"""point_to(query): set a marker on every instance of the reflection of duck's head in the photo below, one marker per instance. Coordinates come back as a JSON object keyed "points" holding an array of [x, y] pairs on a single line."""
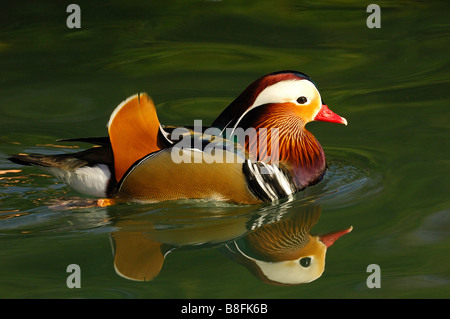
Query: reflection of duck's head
{"points": [[285, 252]]}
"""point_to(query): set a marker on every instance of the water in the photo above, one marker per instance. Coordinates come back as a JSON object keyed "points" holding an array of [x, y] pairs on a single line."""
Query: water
{"points": [[387, 172]]}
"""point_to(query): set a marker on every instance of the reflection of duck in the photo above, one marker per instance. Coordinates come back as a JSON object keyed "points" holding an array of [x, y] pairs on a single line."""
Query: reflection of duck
{"points": [[141, 245], [276, 247], [136, 162], [285, 252]]}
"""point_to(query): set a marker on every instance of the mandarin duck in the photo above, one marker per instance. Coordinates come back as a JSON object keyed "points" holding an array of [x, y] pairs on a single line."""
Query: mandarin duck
{"points": [[139, 160]]}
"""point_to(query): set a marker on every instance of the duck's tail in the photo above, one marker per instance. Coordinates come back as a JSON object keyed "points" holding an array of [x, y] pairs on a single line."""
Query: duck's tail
{"points": [[89, 172]]}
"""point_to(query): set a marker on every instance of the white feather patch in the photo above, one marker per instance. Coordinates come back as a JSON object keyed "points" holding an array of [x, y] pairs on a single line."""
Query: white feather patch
{"points": [[119, 107], [89, 180], [284, 91]]}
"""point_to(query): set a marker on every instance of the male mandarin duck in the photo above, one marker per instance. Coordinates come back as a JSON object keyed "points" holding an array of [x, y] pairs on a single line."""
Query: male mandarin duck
{"points": [[136, 161]]}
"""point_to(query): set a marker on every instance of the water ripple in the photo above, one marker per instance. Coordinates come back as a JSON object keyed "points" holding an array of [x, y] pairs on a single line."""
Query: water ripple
{"points": [[351, 177]]}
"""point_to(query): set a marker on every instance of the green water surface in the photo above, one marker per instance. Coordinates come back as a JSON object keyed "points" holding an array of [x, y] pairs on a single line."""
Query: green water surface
{"points": [[388, 171]]}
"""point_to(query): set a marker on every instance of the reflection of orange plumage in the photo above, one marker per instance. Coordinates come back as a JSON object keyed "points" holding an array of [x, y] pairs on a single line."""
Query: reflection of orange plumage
{"points": [[284, 239], [276, 246]]}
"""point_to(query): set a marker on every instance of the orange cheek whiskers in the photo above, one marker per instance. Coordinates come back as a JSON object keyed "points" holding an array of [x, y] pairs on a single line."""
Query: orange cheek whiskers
{"points": [[293, 142]]}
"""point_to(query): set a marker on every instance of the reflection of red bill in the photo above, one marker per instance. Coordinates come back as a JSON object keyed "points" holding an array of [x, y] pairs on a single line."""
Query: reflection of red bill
{"points": [[330, 238]]}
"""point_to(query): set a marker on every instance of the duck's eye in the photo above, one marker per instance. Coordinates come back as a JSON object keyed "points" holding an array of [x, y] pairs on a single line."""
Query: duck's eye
{"points": [[302, 100], [305, 262]]}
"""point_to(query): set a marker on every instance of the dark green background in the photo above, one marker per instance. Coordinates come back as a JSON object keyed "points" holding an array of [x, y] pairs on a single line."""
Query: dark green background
{"points": [[389, 167]]}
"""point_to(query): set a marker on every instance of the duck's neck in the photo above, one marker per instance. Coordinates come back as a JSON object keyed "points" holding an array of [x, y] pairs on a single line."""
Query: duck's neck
{"points": [[295, 148], [306, 159], [284, 239]]}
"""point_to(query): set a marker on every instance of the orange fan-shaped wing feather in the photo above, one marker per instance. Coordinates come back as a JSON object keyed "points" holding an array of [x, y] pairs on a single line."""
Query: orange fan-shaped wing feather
{"points": [[133, 131]]}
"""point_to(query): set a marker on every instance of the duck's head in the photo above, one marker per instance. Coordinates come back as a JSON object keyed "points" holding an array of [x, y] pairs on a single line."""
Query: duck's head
{"points": [[276, 98], [298, 266], [285, 101]]}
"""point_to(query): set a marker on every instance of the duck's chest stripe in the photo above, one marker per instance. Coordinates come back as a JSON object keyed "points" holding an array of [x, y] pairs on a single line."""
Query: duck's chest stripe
{"points": [[268, 182]]}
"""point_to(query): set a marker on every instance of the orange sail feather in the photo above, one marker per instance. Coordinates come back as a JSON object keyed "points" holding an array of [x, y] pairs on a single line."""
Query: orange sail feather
{"points": [[133, 130]]}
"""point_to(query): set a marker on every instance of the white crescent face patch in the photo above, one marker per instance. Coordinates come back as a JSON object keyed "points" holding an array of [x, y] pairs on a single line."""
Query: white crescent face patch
{"points": [[290, 271], [285, 91]]}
